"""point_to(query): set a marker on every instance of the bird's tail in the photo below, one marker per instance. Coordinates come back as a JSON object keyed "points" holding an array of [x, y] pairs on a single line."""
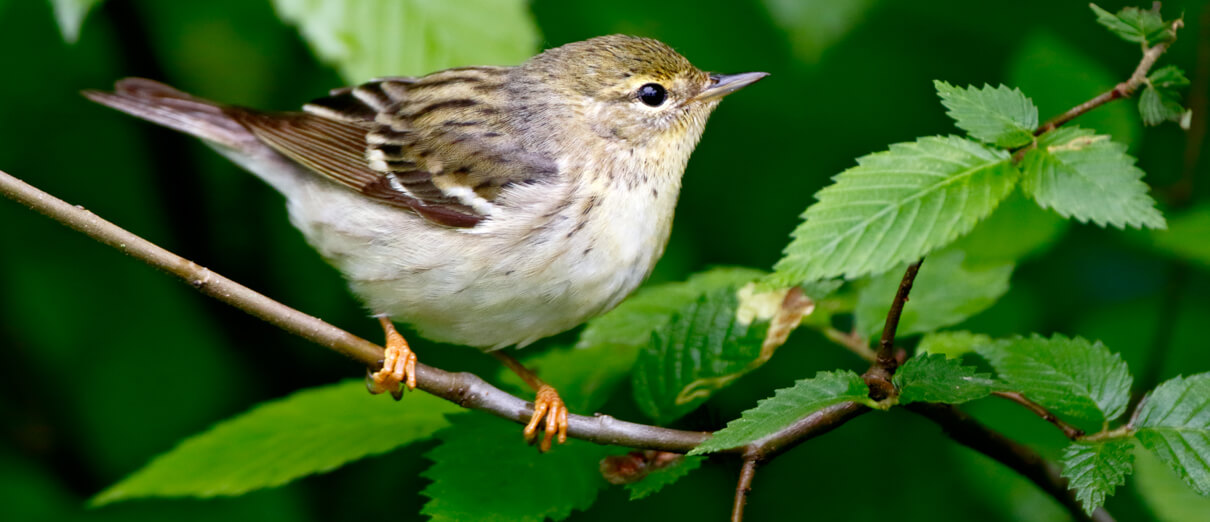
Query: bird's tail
{"points": [[159, 103]]}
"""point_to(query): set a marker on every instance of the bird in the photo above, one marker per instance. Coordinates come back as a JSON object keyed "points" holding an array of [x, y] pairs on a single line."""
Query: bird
{"points": [[488, 206]]}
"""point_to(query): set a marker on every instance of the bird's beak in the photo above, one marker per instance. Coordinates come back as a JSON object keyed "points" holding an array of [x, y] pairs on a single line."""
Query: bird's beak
{"points": [[724, 84]]}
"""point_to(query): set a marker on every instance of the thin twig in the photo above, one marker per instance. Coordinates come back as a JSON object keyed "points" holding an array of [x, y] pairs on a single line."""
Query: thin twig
{"points": [[817, 423], [886, 361], [1121, 90], [969, 432], [464, 389], [1069, 431], [746, 473], [886, 345]]}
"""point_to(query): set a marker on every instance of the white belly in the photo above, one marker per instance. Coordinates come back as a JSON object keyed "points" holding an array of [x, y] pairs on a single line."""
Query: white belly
{"points": [[506, 282]]}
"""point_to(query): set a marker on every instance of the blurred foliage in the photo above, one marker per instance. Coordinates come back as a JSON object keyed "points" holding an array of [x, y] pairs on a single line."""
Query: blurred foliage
{"points": [[106, 363]]}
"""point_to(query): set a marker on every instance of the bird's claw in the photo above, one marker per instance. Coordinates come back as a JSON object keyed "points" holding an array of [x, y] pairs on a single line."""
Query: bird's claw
{"points": [[547, 405], [398, 368]]}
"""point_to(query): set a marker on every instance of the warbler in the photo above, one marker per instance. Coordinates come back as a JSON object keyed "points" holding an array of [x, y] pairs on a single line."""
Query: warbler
{"points": [[485, 206]]}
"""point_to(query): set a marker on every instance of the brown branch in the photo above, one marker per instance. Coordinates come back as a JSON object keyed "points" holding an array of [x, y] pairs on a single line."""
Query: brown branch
{"points": [[746, 473], [886, 345], [1069, 431], [1122, 90], [886, 361], [465, 389], [967, 431]]}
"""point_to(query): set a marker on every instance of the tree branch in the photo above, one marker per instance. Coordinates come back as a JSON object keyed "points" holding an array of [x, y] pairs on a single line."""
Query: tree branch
{"points": [[465, 389], [746, 473], [1121, 90], [886, 361], [968, 432], [1069, 431]]}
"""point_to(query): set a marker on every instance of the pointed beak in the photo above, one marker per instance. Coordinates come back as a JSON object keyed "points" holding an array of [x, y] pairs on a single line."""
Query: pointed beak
{"points": [[724, 84]]}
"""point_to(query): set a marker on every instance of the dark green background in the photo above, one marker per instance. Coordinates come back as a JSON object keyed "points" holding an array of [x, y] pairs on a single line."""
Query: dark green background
{"points": [[105, 363]]}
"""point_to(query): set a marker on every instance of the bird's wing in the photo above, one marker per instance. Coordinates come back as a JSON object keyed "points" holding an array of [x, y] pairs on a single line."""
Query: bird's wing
{"points": [[442, 153]]}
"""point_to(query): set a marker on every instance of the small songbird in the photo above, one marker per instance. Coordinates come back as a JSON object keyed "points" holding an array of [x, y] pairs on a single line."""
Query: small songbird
{"points": [[486, 206]]}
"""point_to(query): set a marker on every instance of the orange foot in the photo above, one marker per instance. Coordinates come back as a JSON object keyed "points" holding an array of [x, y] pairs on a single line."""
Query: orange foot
{"points": [[398, 367], [550, 406]]}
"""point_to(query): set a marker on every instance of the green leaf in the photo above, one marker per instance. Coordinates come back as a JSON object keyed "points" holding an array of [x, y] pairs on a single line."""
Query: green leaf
{"points": [[633, 321], [312, 431], [1070, 377], [1095, 470], [1090, 178], [934, 378], [70, 15], [370, 38], [658, 479], [1186, 236], [483, 470], [1000, 116], [710, 343], [786, 406], [1135, 25], [1174, 423], [951, 344], [1059, 76], [946, 292], [1157, 106], [1162, 491], [895, 207], [1168, 77]]}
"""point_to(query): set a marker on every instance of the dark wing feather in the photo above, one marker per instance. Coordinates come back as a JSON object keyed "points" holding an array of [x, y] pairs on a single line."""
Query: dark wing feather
{"points": [[336, 150], [441, 152]]}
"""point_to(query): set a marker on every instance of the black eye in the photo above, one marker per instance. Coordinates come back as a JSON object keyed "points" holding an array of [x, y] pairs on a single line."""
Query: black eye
{"points": [[652, 94]]}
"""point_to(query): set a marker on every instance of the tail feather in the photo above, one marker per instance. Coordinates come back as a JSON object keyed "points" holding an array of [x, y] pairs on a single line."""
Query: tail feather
{"points": [[159, 103]]}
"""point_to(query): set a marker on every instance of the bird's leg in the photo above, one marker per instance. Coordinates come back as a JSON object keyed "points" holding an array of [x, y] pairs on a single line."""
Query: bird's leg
{"points": [[547, 405], [398, 365]]}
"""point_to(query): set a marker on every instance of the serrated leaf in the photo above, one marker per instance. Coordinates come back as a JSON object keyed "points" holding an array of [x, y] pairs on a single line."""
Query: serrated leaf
{"points": [[1000, 116], [1163, 492], [895, 207], [665, 476], [710, 343], [70, 15], [1070, 377], [1133, 24], [934, 378], [1088, 177], [1168, 76], [370, 38], [1095, 470], [945, 293], [1058, 76], [312, 431], [1174, 423], [633, 321], [786, 406], [1157, 106], [951, 344], [482, 470]]}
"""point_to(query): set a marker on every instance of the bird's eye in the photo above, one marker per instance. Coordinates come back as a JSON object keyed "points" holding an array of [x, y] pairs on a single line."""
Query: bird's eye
{"points": [[653, 94]]}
